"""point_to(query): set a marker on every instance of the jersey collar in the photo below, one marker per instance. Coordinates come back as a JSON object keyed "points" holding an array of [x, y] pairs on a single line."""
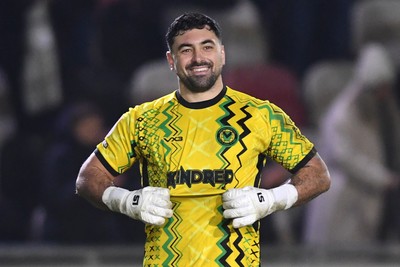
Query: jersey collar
{"points": [[201, 104]]}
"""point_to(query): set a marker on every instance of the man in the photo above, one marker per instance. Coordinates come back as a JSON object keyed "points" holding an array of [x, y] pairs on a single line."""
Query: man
{"points": [[201, 150]]}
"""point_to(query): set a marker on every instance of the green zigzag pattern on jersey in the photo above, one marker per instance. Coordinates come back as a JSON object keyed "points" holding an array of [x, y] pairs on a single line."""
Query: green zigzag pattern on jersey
{"points": [[122, 169], [277, 115], [222, 243], [169, 118], [167, 125], [223, 121], [174, 255], [129, 155]]}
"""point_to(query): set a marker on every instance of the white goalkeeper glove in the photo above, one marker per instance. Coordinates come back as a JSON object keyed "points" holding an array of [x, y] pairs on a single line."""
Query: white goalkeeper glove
{"points": [[151, 205], [249, 204]]}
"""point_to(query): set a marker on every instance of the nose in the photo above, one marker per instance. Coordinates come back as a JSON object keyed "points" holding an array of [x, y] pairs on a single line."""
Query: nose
{"points": [[197, 55]]}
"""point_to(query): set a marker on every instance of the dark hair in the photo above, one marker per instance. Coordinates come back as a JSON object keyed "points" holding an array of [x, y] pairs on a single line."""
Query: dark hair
{"points": [[189, 21]]}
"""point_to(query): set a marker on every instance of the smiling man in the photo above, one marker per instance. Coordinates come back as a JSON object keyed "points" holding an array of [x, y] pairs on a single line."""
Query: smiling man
{"points": [[198, 57], [202, 149]]}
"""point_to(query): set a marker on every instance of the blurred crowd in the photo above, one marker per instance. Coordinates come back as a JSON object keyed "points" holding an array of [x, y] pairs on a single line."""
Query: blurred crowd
{"points": [[70, 68]]}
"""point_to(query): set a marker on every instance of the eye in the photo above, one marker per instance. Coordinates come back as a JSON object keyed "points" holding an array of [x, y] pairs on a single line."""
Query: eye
{"points": [[186, 50]]}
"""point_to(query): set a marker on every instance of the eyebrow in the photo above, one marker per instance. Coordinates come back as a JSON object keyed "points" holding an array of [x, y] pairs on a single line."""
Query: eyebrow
{"points": [[203, 43]]}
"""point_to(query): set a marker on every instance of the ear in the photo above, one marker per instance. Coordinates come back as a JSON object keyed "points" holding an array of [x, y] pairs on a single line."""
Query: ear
{"points": [[170, 60]]}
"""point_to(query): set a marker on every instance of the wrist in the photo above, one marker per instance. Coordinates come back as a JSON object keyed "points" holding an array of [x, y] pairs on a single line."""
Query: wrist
{"points": [[285, 196], [114, 198]]}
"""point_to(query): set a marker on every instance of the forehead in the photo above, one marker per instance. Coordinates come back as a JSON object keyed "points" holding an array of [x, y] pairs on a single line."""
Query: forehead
{"points": [[195, 36]]}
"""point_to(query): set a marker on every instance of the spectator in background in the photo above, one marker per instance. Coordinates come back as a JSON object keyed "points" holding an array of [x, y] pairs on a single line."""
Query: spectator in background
{"points": [[68, 218], [360, 140], [22, 143]]}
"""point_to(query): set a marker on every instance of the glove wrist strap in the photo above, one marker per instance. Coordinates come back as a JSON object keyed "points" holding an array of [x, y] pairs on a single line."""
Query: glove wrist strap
{"points": [[285, 196], [114, 198]]}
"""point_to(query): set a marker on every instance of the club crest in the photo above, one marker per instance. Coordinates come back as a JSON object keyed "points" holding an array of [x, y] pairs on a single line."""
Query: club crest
{"points": [[227, 136]]}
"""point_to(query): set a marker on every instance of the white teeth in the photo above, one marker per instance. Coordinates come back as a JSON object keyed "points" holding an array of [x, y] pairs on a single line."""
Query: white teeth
{"points": [[200, 69]]}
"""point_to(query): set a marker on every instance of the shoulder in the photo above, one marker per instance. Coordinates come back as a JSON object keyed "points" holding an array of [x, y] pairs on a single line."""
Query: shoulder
{"points": [[154, 105], [263, 106]]}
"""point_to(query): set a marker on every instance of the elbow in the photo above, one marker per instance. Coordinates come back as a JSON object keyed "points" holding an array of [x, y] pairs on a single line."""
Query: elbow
{"points": [[83, 181], [325, 182], [80, 186]]}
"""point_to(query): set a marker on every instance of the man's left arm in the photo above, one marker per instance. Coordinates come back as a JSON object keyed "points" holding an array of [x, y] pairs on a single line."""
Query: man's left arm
{"points": [[311, 180], [249, 204]]}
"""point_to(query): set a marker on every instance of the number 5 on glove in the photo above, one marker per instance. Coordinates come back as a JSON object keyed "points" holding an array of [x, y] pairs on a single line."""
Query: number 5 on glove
{"points": [[151, 205], [249, 204]]}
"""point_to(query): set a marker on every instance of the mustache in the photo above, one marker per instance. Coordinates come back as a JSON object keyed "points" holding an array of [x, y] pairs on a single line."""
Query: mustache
{"points": [[198, 64]]}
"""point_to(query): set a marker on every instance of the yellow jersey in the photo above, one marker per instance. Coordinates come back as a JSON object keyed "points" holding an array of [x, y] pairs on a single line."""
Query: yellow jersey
{"points": [[198, 151]]}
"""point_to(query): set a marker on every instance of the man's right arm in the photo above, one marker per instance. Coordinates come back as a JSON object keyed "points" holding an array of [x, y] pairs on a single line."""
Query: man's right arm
{"points": [[93, 179], [151, 205]]}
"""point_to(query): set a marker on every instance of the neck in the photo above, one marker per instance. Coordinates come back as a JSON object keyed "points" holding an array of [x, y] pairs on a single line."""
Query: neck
{"points": [[193, 97]]}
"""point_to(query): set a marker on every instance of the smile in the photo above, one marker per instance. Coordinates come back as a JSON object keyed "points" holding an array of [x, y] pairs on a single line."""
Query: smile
{"points": [[200, 70]]}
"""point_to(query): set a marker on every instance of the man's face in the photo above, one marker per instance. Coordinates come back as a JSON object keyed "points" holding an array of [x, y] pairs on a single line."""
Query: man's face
{"points": [[197, 56]]}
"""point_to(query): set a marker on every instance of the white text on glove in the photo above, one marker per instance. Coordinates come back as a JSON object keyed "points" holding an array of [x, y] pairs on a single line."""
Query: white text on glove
{"points": [[249, 204], [151, 205]]}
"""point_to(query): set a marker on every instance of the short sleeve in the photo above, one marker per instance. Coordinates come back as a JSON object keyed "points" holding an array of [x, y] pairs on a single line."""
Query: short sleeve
{"points": [[117, 151], [288, 146]]}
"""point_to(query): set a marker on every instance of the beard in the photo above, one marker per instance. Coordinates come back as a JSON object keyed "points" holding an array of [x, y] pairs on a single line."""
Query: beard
{"points": [[199, 84]]}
